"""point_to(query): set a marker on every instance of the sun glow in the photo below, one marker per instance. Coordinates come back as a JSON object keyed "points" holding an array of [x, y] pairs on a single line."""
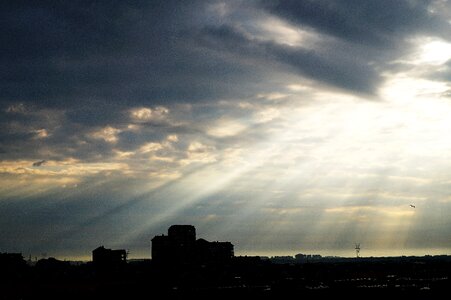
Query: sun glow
{"points": [[435, 52]]}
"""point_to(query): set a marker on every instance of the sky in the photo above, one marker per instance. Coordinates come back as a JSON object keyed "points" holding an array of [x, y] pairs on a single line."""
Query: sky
{"points": [[283, 127]]}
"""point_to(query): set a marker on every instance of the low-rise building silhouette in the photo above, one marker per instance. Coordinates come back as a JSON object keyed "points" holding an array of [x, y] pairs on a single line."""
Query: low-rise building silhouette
{"points": [[181, 246], [108, 257], [11, 264], [11, 259]]}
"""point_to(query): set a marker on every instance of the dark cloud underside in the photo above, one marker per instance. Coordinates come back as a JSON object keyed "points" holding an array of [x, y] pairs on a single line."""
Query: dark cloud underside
{"points": [[63, 54], [372, 23]]}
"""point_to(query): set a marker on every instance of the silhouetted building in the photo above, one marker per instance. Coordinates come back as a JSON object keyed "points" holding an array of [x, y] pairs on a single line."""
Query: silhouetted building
{"points": [[12, 267], [108, 257], [11, 259], [11, 262], [178, 246], [182, 233], [52, 267], [213, 251], [161, 248], [181, 246]]}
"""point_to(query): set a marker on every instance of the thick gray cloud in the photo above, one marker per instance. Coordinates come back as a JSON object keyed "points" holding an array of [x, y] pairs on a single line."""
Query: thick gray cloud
{"points": [[99, 53], [372, 23], [106, 54], [327, 66], [96, 56]]}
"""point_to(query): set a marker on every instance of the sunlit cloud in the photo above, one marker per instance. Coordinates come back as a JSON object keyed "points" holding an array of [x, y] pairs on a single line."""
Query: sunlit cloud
{"points": [[172, 138], [16, 108], [297, 87], [435, 52], [27, 179], [108, 134], [146, 114], [226, 128], [275, 96], [426, 52], [266, 115], [56, 168], [151, 147], [274, 29], [391, 212], [199, 152], [41, 133]]}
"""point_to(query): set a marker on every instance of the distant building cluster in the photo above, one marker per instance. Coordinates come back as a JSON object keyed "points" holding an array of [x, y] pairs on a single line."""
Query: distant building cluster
{"points": [[307, 257], [297, 259], [181, 246]]}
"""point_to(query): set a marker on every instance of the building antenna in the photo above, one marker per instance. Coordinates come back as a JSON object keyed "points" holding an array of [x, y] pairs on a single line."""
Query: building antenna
{"points": [[357, 250]]}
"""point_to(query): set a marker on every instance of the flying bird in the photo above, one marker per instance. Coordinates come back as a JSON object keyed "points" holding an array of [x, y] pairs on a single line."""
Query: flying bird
{"points": [[411, 205], [39, 163]]}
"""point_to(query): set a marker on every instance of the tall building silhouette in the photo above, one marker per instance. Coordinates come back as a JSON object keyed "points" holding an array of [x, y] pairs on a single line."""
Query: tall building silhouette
{"points": [[181, 246], [178, 246]]}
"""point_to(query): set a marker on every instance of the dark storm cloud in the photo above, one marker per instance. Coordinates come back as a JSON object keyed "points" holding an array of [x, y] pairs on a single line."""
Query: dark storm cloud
{"points": [[73, 68], [102, 55], [374, 23], [83, 52]]}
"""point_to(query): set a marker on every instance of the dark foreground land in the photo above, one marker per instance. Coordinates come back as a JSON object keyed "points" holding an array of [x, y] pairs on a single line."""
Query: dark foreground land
{"points": [[242, 276]]}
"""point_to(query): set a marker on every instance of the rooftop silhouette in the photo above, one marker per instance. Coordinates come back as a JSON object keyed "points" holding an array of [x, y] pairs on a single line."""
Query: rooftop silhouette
{"points": [[181, 246], [108, 257]]}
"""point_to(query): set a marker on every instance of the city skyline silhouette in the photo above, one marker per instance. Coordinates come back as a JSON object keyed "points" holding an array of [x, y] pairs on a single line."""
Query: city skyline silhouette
{"points": [[183, 264]]}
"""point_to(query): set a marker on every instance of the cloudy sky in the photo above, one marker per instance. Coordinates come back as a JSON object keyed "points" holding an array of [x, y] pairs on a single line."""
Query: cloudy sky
{"points": [[281, 126]]}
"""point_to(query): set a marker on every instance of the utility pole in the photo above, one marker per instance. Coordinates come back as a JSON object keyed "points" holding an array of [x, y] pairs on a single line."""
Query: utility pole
{"points": [[357, 250]]}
